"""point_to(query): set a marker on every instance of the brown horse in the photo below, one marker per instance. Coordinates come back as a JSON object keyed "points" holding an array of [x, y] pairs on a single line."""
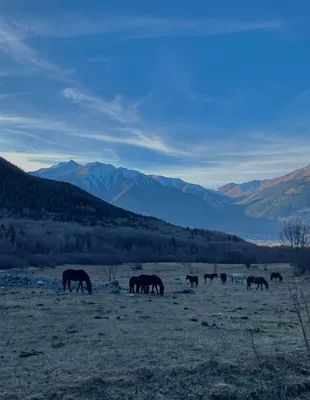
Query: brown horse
{"points": [[76, 275], [210, 276], [133, 281], [257, 280], [145, 281], [276, 275], [223, 277], [192, 279]]}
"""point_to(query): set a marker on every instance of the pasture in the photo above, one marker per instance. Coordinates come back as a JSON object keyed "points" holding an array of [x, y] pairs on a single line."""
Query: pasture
{"points": [[65, 346]]}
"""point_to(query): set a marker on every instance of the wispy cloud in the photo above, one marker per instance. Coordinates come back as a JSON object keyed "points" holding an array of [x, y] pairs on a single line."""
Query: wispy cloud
{"points": [[13, 43], [139, 26], [114, 109], [119, 136]]}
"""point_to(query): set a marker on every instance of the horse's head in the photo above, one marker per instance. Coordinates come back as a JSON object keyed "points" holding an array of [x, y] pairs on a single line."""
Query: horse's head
{"points": [[89, 287], [266, 285], [161, 289], [187, 277]]}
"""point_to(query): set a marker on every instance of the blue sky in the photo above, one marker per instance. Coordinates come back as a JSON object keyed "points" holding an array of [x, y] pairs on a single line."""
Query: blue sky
{"points": [[208, 91]]}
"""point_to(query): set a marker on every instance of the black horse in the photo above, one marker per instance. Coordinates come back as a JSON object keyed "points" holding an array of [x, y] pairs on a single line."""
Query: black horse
{"points": [[276, 275], [210, 276], [145, 281], [133, 281], [223, 277], [192, 279], [76, 275], [257, 280]]}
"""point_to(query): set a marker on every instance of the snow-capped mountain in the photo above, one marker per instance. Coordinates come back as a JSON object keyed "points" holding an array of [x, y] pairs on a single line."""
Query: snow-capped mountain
{"points": [[171, 199], [107, 182]]}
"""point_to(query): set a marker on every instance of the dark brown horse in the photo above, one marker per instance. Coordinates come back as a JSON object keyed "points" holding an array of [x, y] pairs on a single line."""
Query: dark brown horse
{"points": [[276, 275], [223, 277], [133, 281], [192, 279], [210, 276], [257, 280], [76, 275], [145, 281]]}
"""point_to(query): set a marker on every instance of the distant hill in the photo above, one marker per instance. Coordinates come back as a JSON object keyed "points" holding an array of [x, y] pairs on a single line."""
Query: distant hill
{"points": [[279, 198], [171, 199], [56, 222]]}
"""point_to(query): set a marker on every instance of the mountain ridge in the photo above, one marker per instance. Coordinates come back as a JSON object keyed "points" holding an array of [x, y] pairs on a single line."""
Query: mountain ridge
{"points": [[45, 222], [171, 199]]}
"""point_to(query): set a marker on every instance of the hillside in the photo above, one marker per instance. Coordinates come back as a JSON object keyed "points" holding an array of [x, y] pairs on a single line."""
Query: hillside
{"points": [[171, 199], [48, 222], [279, 198]]}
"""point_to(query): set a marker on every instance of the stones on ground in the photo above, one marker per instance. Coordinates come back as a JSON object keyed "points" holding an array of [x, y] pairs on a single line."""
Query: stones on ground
{"points": [[193, 319], [10, 279], [71, 329], [57, 345], [31, 353], [204, 323]]}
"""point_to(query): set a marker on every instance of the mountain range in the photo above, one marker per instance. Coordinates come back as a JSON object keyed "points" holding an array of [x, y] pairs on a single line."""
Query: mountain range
{"points": [[171, 199], [45, 222], [280, 198]]}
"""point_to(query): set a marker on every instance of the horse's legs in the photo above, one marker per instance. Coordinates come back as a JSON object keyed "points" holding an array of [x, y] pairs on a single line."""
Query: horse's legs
{"points": [[77, 289], [69, 286], [82, 286], [64, 283], [156, 289]]}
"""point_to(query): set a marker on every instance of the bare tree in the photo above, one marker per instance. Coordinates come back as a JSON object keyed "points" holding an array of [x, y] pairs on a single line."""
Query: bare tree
{"points": [[296, 235], [110, 271]]}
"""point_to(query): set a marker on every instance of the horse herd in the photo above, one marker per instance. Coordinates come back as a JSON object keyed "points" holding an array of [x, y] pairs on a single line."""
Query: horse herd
{"points": [[256, 280], [142, 283]]}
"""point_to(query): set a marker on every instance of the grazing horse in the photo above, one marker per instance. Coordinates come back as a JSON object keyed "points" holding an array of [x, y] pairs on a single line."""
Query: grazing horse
{"points": [[145, 281], [257, 280], [76, 275], [133, 281], [223, 277], [210, 276], [238, 277], [276, 275], [192, 279]]}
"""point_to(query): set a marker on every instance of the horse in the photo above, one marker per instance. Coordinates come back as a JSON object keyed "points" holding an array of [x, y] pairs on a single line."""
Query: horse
{"points": [[192, 279], [276, 275], [133, 281], [76, 275], [223, 277], [238, 277], [257, 280], [145, 281], [210, 276]]}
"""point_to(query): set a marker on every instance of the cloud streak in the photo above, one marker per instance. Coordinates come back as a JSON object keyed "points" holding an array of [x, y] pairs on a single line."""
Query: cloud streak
{"points": [[13, 43], [71, 25], [114, 109]]}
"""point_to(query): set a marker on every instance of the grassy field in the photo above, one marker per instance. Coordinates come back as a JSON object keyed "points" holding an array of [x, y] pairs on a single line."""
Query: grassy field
{"points": [[177, 346]]}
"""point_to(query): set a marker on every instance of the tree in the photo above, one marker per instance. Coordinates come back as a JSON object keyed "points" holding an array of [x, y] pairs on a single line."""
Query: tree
{"points": [[296, 235], [110, 271]]}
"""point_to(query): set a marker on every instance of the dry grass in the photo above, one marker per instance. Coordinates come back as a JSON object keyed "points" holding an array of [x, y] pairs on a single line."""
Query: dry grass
{"points": [[179, 346]]}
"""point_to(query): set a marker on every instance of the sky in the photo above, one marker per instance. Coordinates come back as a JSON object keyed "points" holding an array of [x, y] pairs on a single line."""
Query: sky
{"points": [[208, 91]]}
